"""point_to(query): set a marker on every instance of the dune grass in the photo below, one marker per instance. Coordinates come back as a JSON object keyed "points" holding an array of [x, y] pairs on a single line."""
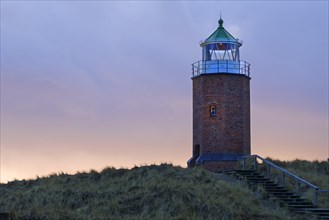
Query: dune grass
{"points": [[148, 192]]}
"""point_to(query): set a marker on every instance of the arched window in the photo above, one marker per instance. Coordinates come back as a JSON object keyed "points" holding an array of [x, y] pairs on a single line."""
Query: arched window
{"points": [[213, 110]]}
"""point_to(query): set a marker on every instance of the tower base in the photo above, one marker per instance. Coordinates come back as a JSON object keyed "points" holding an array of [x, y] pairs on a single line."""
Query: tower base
{"points": [[220, 166], [216, 162]]}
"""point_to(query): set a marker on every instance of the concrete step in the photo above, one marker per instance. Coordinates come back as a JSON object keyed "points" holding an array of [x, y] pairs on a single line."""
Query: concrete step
{"points": [[300, 203], [283, 194], [277, 190], [272, 184], [287, 200], [274, 187], [231, 172], [318, 210], [301, 207], [257, 179], [254, 175], [322, 213], [263, 183], [248, 173]]}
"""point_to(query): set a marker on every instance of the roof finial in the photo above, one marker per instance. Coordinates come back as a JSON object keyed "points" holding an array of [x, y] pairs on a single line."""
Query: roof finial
{"points": [[220, 21]]}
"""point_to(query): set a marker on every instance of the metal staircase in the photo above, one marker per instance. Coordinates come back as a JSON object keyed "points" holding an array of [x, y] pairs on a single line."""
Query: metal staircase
{"points": [[272, 178]]}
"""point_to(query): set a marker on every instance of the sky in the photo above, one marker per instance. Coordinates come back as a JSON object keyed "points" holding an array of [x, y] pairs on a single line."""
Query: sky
{"points": [[91, 84]]}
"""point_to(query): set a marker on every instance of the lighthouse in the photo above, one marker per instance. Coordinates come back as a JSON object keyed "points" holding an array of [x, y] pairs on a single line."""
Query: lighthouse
{"points": [[221, 103]]}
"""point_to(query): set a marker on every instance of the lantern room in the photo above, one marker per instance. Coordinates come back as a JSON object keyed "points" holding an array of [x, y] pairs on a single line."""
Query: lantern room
{"points": [[220, 54]]}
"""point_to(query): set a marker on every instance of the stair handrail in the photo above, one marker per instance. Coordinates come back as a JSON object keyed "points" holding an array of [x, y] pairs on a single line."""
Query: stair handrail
{"points": [[299, 179], [283, 170]]}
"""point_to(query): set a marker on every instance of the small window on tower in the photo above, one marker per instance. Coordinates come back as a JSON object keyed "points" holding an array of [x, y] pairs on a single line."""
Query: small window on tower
{"points": [[213, 110]]}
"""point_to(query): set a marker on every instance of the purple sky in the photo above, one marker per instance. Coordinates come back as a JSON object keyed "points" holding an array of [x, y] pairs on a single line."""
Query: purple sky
{"points": [[89, 84]]}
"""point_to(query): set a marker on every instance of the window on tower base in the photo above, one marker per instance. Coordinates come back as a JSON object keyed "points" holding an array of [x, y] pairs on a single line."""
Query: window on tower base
{"points": [[213, 110]]}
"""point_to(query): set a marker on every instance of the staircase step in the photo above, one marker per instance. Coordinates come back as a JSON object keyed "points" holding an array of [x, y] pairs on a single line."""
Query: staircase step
{"points": [[301, 207], [257, 179], [287, 200], [231, 172], [277, 190], [258, 182], [246, 171], [300, 203], [274, 187], [272, 184], [321, 213], [254, 176], [289, 197], [285, 194], [318, 210]]}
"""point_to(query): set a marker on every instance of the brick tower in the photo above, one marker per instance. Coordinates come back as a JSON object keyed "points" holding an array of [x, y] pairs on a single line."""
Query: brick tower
{"points": [[221, 103]]}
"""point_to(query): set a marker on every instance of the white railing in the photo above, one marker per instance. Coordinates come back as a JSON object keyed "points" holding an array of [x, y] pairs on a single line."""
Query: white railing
{"points": [[220, 66]]}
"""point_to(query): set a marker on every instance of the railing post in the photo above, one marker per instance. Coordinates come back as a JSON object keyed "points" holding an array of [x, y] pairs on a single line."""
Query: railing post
{"points": [[315, 197], [239, 66], [298, 187], [269, 171], [217, 66], [283, 179], [199, 70], [244, 163], [245, 68]]}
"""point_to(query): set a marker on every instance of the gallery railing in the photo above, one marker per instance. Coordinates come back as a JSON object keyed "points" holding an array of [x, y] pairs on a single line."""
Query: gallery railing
{"points": [[220, 66]]}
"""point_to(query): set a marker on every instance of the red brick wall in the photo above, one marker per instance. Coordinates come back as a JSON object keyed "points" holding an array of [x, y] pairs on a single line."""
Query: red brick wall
{"points": [[229, 130]]}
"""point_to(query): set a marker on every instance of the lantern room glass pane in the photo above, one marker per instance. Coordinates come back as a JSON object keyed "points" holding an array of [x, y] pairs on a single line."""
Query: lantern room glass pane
{"points": [[220, 51]]}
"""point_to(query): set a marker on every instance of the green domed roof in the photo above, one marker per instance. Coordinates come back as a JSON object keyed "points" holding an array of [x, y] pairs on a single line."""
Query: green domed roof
{"points": [[220, 36]]}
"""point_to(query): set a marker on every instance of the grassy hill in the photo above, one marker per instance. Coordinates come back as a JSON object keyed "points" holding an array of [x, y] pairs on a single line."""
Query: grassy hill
{"points": [[148, 192]]}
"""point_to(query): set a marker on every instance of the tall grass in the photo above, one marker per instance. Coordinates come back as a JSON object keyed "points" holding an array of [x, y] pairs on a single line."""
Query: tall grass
{"points": [[148, 192]]}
